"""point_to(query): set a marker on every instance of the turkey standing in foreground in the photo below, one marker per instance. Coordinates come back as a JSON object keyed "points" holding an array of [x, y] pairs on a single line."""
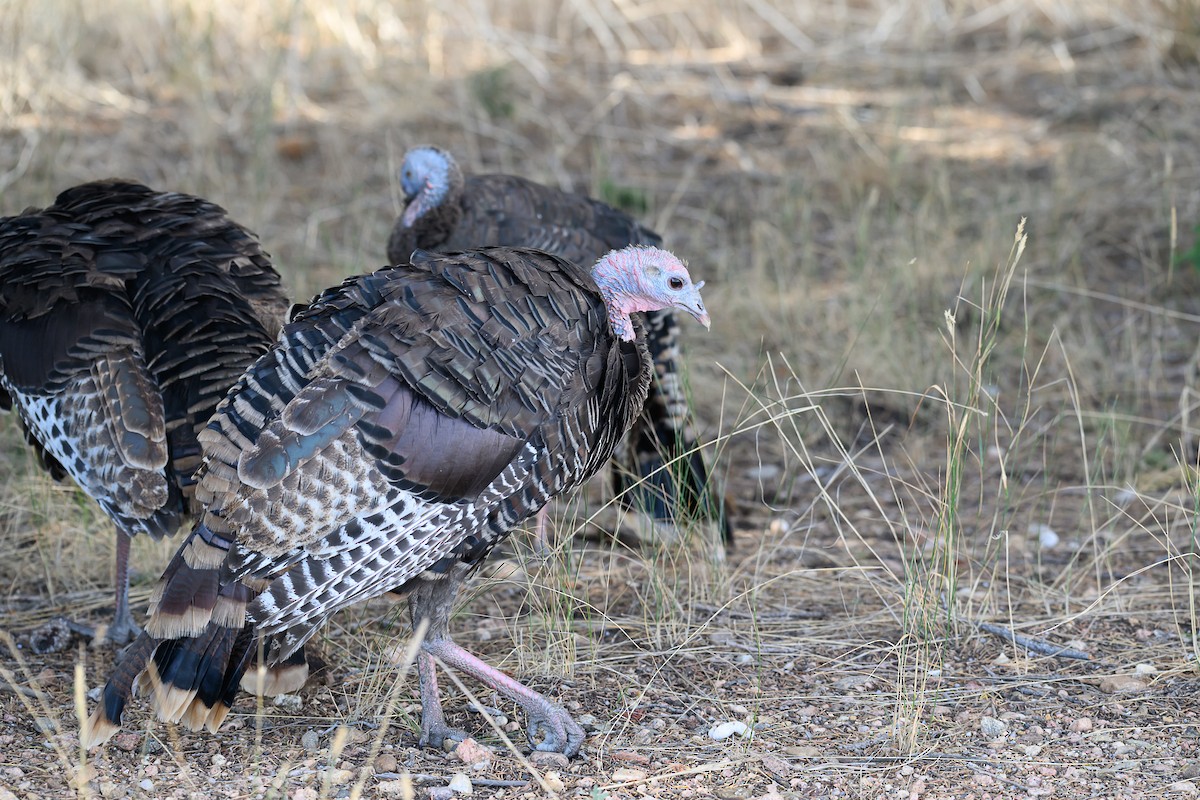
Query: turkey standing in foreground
{"points": [[659, 469], [399, 428], [125, 315]]}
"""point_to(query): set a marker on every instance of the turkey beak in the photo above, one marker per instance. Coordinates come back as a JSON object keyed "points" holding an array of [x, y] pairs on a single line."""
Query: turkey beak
{"points": [[694, 305]]}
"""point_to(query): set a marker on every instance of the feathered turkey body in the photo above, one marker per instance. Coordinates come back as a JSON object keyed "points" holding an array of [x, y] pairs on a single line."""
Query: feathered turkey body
{"points": [[125, 315], [400, 427], [659, 469]]}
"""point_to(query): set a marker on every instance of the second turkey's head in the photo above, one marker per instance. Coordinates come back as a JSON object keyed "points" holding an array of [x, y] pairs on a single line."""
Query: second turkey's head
{"points": [[427, 177], [638, 278]]}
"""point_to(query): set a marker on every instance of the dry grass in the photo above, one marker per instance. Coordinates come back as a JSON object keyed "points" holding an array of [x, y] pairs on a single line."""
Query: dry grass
{"points": [[902, 409]]}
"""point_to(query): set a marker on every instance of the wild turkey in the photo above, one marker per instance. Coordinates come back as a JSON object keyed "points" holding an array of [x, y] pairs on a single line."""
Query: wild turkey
{"points": [[401, 425], [659, 470], [125, 315]]}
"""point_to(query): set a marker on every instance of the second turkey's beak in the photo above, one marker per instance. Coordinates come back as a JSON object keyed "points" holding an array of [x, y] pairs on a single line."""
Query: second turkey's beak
{"points": [[694, 305]]}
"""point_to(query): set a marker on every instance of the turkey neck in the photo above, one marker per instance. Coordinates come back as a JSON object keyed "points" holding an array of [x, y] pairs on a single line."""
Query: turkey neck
{"points": [[430, 230]]}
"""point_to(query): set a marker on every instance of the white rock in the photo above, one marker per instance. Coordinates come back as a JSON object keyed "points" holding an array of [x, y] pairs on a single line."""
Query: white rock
{"points": [[461, 784], [1046, 536], [727, 729], [764, 472]]}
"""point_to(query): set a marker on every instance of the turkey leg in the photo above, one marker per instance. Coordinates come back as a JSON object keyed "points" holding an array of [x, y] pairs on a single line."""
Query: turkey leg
{"points": [[549, 726]]}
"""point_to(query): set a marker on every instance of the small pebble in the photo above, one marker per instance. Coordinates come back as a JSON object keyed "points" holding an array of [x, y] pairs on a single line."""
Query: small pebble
{"points": [[643, 736], [549, 760], [803, 751], [767, 473], [1081, 725], [146, 785], [777, 766], [1183, 787], [45, 724], [588, 722], [1122, 684], [554, 782], [291, 703], [310, 741], [629, 757], [385, 762], [623, 774], [473, 754], [461, 784], [992, 727], [440, 793], [398, 788], [340, 777], [126, 741], [727, 729], [1046, 535]]}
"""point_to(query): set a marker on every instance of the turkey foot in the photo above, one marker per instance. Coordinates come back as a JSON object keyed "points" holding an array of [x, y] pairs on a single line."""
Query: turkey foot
{"points": [[550, 728], [123, 629]]}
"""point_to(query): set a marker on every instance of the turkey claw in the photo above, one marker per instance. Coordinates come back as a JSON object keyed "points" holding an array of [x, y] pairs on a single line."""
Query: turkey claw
{"points": [[435, 735], [557, 732]]}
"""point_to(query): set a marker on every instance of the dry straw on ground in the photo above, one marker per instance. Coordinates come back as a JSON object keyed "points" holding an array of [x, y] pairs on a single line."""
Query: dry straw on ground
{"points": [[927, 423]]}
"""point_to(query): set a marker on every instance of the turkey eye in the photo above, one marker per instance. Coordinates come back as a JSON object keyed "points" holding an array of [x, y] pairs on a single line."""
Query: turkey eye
{"points": [[675, 283]]}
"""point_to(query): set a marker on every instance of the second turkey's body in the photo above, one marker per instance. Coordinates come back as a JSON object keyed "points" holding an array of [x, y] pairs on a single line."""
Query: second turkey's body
{"points": [[125, 315], [515, 212]]}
